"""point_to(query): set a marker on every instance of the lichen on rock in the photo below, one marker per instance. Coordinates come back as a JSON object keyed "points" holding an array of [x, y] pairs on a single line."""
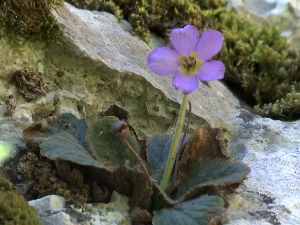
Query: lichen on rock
{"points": [[30, 84], [11, 104]]}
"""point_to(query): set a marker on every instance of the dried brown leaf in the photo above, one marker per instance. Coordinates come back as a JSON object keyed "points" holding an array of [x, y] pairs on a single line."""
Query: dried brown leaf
{"points": [[140, 215], [100, 194], [206, 145], [132, 182]]}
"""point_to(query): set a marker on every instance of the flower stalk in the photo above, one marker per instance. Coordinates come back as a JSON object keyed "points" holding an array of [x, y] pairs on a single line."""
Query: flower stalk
{"points": [[172, 156], [139, 160], [120, 131]]}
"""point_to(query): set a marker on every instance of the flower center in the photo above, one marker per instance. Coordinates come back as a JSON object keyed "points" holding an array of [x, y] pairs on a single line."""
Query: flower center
{"points": [[191, 64]]}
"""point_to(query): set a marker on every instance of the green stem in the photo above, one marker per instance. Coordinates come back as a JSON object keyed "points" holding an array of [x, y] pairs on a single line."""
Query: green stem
{"points": [[172, 157]]}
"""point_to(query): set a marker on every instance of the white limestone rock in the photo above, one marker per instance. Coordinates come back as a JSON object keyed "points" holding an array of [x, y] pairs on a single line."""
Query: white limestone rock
{"points": [[50, 203], [52, 210]]}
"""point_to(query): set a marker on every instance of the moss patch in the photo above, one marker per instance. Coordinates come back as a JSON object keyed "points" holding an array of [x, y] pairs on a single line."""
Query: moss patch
{"points": [[259, 64], [28, 20], [14, 208]]}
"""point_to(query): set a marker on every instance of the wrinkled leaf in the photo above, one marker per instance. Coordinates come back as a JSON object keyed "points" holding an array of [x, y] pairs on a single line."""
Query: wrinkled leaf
{"points": [[64, 146], [218, 173], [38, 133], [201, 211], [160, 199], [106, 149], [159, 150], [206, 145]]}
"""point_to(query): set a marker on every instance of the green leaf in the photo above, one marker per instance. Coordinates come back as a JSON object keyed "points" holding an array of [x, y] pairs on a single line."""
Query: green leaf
{"points": [[160, 199], [218, 173], [65, 122], [71, 124], [131, 182], [159, 150], [64, 146], [201, 211], [206, 145], [106, 149]]}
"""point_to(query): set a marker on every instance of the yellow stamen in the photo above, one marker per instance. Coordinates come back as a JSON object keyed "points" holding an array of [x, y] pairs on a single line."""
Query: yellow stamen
{"points": [[194, 55], [182, 58], [191, 64]]}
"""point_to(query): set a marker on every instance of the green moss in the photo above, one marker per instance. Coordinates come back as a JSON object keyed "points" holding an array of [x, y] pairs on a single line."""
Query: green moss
{"points": [[285, 108], [155, 15], [14, 208], [4, 184], [28, 20]]}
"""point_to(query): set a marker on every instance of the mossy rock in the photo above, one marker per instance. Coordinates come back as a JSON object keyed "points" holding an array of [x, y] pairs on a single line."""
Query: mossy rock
{"points": [[14, 208], [258, 63], [34, 21]]}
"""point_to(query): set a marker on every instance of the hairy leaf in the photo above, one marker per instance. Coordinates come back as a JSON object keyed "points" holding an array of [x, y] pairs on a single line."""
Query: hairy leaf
{"points": [[38, 133], [105, 148], [159, 150], [201, 211], [206, 145], [160, 199], [64, 146], [218, 173]]}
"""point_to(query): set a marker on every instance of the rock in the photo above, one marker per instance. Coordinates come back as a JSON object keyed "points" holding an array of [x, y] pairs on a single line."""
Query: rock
{"points": [[284, 14], [116, 212], [50, 203], [156, 41], [102, 65], [52, 210], [270, 195], [60, 218], [134, 86], [295, 5]]}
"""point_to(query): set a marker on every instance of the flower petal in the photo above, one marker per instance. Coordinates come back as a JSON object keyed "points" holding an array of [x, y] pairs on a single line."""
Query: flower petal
{"points": [[185, 39], [164, 61], [209, 45], [187, 83], [210, 71]]}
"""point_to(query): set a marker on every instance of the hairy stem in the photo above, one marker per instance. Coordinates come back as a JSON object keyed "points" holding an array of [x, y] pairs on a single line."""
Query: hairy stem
{"points": [[172, 156], [142, 164], [180, 151]]}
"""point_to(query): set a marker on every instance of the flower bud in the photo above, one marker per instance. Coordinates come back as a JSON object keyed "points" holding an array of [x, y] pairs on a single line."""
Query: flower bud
{"points": [[120, 130]]}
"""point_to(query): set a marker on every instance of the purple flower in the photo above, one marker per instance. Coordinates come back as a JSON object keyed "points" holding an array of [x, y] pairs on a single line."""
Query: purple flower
{"points": [[190, 59]]}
